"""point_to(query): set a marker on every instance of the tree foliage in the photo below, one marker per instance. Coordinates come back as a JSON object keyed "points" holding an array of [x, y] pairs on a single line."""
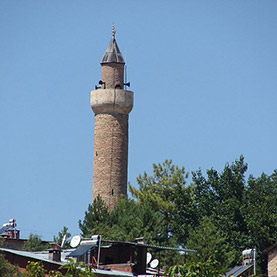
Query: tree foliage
{"points": [[54, 273], [74, 269], [96, 218], [61, 235], [34, 269], [7, 269], [196, 269], [34, 243], [127, 221], [169, 198], [210, 244], [219, 213]]}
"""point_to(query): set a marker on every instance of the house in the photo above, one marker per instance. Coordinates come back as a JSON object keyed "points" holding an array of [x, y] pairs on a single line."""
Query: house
{"points": [[20, 258], [112, 258], [122, 256], [47, 258]]}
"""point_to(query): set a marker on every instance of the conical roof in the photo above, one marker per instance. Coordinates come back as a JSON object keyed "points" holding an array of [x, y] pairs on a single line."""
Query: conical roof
{"points": [[113, 54]]}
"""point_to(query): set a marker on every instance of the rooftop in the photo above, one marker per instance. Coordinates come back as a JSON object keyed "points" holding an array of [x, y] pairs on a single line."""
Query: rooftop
{"points": [[113, 54]]}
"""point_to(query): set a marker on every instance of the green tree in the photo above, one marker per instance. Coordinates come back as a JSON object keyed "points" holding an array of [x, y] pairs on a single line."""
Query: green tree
{"points": [[7, 269], [244, 212], [260, 213], [34, 269], [60, 237], [97, 219], [232, 212], [210, 245], [54, 273], [171, 200], [220, 197], [89, 271], [34, 243], [196, 269], [162, 192], [129, 220], [74, 269], [176, 270]]}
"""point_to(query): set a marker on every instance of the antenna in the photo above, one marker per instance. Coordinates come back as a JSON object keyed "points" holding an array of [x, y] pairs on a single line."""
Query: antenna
{"points": [[125, 71], [75, 241]]}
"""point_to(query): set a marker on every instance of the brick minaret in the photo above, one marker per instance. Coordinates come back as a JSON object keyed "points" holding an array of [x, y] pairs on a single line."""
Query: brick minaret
{"points": [[111, 105]]}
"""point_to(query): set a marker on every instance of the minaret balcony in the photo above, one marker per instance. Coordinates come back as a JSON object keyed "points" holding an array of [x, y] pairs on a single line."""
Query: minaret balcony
{"points": [[112, 101]]}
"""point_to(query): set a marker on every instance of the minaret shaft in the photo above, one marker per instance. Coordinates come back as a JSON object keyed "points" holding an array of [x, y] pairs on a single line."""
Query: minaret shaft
{"points": [[110, 157]]}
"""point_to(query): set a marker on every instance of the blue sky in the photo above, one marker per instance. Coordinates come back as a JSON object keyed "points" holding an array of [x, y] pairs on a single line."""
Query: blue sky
{"points": [[204, 78]]}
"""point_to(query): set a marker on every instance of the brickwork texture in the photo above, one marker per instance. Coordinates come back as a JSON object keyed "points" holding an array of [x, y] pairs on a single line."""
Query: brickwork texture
{"points": [[110, 157], [272, 263], [112, 75]]}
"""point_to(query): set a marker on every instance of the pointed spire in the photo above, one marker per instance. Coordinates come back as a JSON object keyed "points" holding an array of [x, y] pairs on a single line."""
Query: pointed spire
{"points": [[113, 54]]}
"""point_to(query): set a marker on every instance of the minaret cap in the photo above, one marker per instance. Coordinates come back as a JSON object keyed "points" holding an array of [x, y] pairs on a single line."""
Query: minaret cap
{"points": [[113, 54]]}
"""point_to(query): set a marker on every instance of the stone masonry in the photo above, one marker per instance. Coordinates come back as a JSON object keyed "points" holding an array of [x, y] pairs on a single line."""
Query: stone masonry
{"points": [[111, 105], [110, 159], [272, 261], [113, 75]]}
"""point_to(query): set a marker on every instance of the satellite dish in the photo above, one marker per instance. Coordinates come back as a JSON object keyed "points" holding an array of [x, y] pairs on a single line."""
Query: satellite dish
{"points": [[148, 257], [154, 263], [75, 241]]}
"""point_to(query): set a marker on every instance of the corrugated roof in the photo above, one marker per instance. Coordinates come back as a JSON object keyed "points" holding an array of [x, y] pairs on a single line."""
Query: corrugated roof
{"points": [[42, 256], [151, 246]]}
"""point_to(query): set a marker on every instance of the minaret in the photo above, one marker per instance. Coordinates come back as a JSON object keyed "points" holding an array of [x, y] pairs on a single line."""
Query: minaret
{"points": [[111, 104]]}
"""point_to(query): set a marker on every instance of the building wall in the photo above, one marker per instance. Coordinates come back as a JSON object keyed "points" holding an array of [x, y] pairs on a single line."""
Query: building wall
{"points": [[272, 263], [16, 244], [22, 262], [116, 254], [121, 267]]}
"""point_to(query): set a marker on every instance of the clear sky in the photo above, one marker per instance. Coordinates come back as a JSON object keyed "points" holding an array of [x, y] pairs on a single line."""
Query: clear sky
{"points": [[204, 77]]}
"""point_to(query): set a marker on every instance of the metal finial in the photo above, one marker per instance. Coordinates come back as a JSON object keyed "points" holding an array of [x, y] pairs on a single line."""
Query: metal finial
{"points": [[113, 32]]}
